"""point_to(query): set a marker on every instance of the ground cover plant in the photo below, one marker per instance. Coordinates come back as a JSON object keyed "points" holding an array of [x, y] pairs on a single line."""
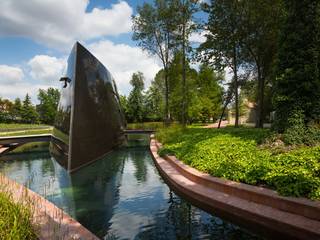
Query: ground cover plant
{"points": [[14, 220], [240, 154]]}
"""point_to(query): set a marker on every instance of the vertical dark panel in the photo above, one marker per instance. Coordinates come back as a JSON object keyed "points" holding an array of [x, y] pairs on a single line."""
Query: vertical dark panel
{"points": [[96, 121]]}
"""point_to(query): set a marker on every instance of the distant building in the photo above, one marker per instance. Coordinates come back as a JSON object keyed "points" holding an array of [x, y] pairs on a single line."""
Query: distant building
{"points": [[247, 113]]}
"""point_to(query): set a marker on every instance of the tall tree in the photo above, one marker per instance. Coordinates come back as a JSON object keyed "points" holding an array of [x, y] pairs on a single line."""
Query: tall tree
{"points": [[154, 98], [210, 92], [47, 107], [184, 22], [17, 110], [223, 45], [297, 87], [6, 107], [29, 113], [260, 29], [135, 99], [153, 30]]}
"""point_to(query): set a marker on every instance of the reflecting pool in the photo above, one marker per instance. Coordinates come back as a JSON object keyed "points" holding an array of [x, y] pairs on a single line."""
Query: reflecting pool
{"points": [[120, 196]]}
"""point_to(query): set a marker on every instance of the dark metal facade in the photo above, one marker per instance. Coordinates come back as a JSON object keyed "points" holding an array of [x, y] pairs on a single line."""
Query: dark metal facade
{"points": [[89, 122]]}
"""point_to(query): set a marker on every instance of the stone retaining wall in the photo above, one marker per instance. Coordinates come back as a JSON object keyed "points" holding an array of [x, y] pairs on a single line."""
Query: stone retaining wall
{"points": [[261, 210], [49, 221]]}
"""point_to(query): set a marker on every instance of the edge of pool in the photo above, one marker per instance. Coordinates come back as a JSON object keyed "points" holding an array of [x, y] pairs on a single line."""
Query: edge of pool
{"points": [[259, 209], [49, 221]]}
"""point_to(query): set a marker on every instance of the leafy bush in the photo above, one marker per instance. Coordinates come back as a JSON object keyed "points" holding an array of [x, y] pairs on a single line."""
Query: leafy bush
{"points": [[234, 154]]}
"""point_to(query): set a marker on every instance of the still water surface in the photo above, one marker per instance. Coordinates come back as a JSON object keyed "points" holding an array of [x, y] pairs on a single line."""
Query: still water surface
{"points": [[121, 196]]}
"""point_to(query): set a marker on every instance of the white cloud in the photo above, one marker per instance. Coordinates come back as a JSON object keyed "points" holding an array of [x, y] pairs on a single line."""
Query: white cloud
{"points": [[19, 90], [10, 75], [46, 68], [198, 37], [123, 60], [59, 23]]}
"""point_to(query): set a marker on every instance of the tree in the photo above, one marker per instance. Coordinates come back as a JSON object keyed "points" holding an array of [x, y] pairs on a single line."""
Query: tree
{"points": [[47, 107], [223, 45], [153, 30], [17, 110], [260, 29], [297, 86], [184, 21], [6, 107], [154, 99], [28, 112], [210, 92], [124, 105], [135, 99]]}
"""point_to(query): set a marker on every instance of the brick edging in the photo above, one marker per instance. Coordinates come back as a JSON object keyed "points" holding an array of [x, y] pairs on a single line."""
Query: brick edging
{"points": [[242, 204], [49, 221]]}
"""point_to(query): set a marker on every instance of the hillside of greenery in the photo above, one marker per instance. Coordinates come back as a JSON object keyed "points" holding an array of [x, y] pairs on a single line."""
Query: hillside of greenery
{"points": [[242, 155]]}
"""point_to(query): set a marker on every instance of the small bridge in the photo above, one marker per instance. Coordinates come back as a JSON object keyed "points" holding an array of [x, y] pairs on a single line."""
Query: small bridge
{"points": [[7, 144]]}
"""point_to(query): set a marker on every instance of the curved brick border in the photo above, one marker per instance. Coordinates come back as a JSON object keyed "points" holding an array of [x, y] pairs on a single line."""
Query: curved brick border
{"points": [[257, 208], [49, 221]]}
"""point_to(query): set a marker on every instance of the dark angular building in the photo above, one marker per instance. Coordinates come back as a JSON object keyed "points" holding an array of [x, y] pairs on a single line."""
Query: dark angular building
{"points": [[89, 122]]}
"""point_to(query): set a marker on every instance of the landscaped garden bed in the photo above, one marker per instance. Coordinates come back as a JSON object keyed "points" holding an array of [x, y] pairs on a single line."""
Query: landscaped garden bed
{"points": [[242, 155]]}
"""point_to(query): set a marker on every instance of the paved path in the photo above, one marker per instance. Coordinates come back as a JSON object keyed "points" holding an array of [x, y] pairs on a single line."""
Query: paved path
{"points": [[215, 125]]}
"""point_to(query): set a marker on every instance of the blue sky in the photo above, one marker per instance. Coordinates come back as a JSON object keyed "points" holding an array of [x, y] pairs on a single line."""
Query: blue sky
{"points": [[37, 36]]}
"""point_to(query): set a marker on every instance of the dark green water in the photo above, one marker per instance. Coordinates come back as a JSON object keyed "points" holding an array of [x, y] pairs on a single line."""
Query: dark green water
{"points": [[121, 196]]}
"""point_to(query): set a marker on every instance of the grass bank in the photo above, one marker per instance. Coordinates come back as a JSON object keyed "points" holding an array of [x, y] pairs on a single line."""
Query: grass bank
{"points": [[14, 220], [239, 155], [17, 129]]}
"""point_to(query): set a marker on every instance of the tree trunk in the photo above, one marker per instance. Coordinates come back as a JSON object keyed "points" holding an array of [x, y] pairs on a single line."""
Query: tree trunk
{"points": [[235, 75], [223, 110], [260, 98], [167, 114], [184, 92]]}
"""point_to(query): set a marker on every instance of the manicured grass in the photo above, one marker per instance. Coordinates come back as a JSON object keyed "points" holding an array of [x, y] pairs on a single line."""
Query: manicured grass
{"points": [[14, 220], [235, 154], [4, 127], [26, 132]]}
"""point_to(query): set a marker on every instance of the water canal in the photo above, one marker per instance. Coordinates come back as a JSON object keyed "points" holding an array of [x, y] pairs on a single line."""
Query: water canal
{"points": [[120, 196]]}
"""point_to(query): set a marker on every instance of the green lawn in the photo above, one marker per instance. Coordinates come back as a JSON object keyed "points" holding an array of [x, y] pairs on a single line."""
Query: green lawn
{"points": [[4, 127], [14, 220], [18, 129], [236, 154]]}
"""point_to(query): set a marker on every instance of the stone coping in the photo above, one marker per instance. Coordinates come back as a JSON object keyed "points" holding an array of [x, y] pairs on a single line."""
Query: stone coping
{"points": [[258, 208], [49, 221]]}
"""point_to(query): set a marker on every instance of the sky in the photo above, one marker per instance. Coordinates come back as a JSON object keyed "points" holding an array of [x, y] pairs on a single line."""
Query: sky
{"points": [[36, 37]]}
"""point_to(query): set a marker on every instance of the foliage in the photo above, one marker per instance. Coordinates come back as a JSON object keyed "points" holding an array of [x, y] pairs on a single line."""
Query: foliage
{"points": [[135, 106], [28, 111], [222, 47], [154, 99], [6, 108], [260, 26], [234, 154], [153, 29], [297, 87], [47, 107], [145, 125], [15, 220]]}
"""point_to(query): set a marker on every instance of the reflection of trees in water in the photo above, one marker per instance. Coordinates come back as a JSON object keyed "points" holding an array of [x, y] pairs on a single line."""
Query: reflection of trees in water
{"points": [[138, 158], [183, 221], [96, 192]]}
